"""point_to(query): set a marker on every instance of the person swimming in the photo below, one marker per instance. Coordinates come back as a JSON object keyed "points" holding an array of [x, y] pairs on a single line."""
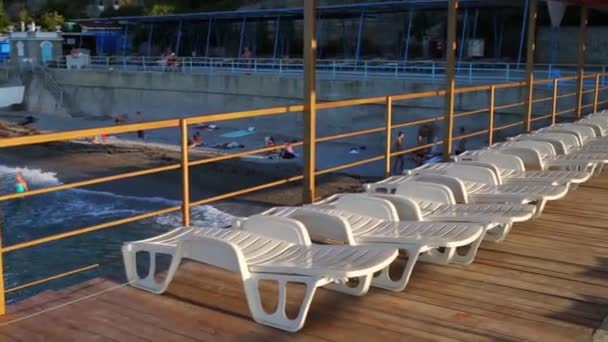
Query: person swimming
{"points": [[20, 184]]}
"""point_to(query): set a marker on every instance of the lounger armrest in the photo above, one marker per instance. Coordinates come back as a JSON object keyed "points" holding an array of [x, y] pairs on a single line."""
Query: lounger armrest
{"points": [[405, 207], [280, 228], [216, 252], [367, 206], [530, 157], [455, 185], [426, 191], [322, 226]]}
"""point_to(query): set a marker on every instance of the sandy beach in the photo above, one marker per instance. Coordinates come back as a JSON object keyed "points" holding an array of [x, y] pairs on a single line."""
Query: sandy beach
{"points": [[77, 161]]}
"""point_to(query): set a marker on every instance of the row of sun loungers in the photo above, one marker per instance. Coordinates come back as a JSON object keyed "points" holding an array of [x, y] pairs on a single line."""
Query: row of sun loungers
{"points": [[438, 213]]}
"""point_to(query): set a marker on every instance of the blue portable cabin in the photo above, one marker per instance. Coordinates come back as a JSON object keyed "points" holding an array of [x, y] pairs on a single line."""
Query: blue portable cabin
{"points": [[5, 48]]}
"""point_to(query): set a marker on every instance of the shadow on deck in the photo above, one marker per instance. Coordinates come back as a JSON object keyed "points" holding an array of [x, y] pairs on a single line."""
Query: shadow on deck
{"points": [[547, 282]]}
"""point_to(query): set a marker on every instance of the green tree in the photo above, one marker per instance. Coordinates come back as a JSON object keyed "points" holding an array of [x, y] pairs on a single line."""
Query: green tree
{"points": [[161, 9], [25, 16], [4, 19], [50, 20]]}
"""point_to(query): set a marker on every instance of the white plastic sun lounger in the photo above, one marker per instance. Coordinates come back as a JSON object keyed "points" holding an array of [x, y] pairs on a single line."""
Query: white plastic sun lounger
{"points": [[511, 169], [430, 202], [476, 184], [542, 153], [264, 248], [420, 240]]}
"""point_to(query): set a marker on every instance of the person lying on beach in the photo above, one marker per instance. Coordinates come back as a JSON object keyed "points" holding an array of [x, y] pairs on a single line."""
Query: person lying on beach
{"points": [[20, 184], [197, 140], [28, 121], [229, 146]]}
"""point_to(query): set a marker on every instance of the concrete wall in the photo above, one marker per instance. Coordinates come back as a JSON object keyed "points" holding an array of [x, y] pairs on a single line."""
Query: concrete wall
{"points": [[565, 50], [163, 95]]}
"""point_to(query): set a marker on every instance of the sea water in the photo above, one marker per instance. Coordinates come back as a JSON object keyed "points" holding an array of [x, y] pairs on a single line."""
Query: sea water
{"points": [[44, 215]]}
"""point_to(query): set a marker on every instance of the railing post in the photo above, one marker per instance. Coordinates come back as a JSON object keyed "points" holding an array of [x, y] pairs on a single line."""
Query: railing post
{"points": [[310, 101], [450, 78], [530, 104], [603, 76], [554, 109], [389, 129], [470, 71], [582, 48], [530, 48], [2, 293], [596, 94], [185, 173], [492, 112]]}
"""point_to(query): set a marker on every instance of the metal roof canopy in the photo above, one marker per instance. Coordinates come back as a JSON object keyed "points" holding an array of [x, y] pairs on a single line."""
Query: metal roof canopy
{"points": [[327, 12]]}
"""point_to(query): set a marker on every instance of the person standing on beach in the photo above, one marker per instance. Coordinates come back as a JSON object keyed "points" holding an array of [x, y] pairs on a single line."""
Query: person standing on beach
{"points": [[400, 159], [140, 119], [20, 184]]}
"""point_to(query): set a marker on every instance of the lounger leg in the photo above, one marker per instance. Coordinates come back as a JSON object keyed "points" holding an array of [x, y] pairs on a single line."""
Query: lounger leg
{"points": [[540, 206], [384, 280], [360, 289], [469, 256], [498, 233], [436, 256], [279, 319], [148, 283]]}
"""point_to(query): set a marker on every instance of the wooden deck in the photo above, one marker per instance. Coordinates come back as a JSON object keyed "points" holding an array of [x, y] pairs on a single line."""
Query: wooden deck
{"points": [[547, 282]]}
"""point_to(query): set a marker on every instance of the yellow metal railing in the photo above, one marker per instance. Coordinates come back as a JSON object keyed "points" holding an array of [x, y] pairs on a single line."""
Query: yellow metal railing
{"points": [[185, 164]]}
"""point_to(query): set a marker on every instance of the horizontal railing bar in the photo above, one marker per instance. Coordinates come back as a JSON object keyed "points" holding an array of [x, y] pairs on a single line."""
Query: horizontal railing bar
{"points": [[566, 95], [89, 229], [47, 279], [472, 89], [415, 149], [602, 102], [246, 191], [350, 102], [512, 105], [85, 133], [510, 85], [541, 117], [195, 120], [518, 123], [565, 111], [242, 154], [415, 96], [549, 98], [90, 182], [472, 112], [604, 89], [349, 165], [588, 91], [470, 135], [418, 122], [587, 106], [352, 134]]}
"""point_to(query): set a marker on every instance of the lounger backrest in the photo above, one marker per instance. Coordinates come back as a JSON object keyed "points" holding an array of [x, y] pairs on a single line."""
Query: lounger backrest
{"points": [[275, 227], [442, 168], [454, 184], [367, 206], [407, 208], [531, 158], [501, 160], [473, 174], [544, 148], [598, 128], [319, 222], [426, 191]]}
